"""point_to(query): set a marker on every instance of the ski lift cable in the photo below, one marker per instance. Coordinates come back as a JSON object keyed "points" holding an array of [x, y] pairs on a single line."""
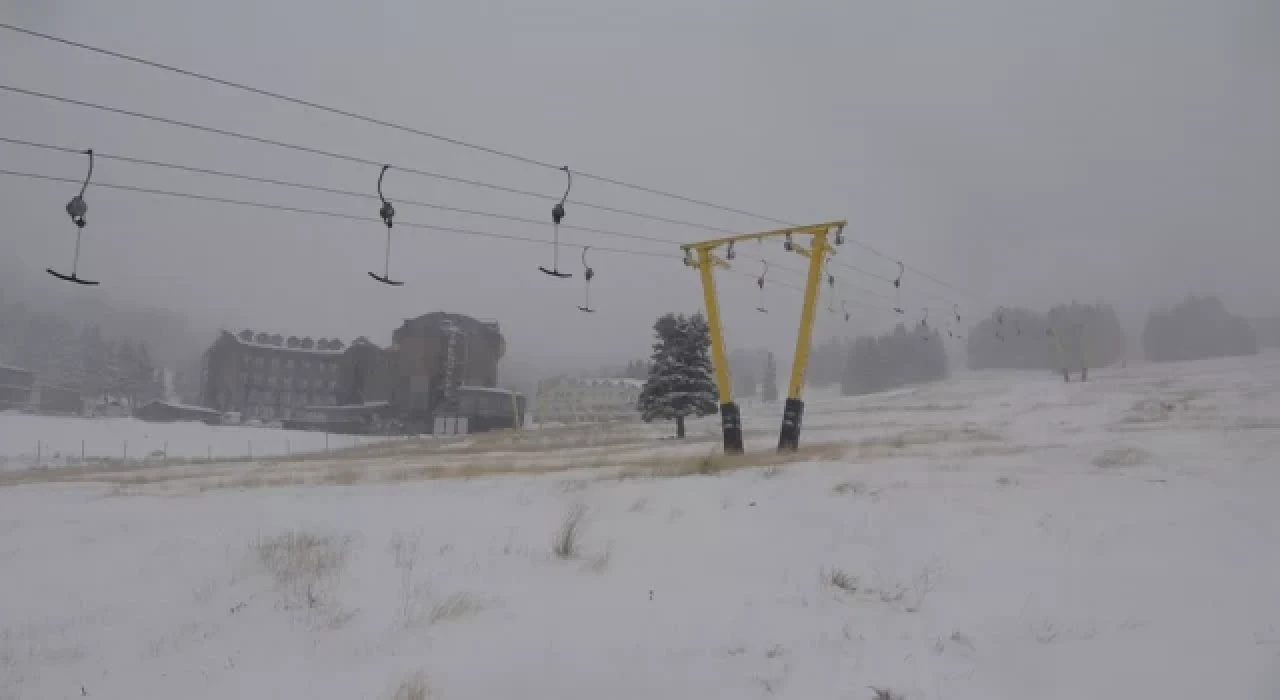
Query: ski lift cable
{"points": [[357, 218], [276, 143], [475, 183], [361, 161], [233, 175], [329, 190], [373, 120], [322, 213]]}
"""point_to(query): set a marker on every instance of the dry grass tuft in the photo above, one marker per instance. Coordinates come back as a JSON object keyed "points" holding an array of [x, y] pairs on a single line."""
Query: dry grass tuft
{"points": [[600, 563], [1122, 457], [455, 607], [718, 462], [414, 687], [838, 578], [303, 564], [566, 542], [345, 476], [849, 487]]}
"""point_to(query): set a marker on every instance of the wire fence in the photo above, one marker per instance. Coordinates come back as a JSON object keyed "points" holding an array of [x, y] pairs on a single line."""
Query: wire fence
{"points": [[156, 451]]}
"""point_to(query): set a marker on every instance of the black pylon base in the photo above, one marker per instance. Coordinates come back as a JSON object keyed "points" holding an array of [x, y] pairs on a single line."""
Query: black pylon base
{"points": [[792, 417], [731, 423]]}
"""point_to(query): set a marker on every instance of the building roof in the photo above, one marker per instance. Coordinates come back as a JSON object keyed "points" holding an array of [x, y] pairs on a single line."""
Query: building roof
{"points": [[489, 389], [601, 381], [284, 348], [349, 408], [183, 407]]}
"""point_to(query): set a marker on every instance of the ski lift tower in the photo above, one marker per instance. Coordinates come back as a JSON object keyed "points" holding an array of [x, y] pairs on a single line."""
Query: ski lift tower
{"points": [[701, 256]]}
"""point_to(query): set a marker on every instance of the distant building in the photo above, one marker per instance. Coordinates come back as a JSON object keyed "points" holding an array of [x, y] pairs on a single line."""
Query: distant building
{"points": [[57, 399], [166, 412], [260, 377], [439, 375], [15, 387], [432, 357], [570, 400]]}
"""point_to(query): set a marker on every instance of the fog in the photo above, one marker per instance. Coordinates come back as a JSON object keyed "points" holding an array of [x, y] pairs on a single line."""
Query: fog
{"points": [[1026, 153]]}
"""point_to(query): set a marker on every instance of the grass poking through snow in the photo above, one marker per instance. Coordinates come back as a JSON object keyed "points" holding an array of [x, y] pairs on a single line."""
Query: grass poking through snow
{"points": [[566, 542], [843, 580]]}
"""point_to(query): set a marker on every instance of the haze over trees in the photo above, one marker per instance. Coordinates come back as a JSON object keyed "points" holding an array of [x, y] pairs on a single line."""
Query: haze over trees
{"points": [[894, 359], [1070, 335], [1195, 329], [769, 384]]}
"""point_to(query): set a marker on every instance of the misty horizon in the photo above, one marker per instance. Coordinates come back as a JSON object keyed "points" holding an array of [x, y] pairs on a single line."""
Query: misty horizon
{"points": [[1028, 157]]}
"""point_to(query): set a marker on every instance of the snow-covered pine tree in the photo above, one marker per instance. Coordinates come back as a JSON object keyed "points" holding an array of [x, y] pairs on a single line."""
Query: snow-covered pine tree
{"points": [[680, 382], [769, 385]]}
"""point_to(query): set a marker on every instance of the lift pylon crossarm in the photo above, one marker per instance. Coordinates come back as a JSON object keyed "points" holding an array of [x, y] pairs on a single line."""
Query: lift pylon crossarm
{"points": [[811, 229], [700, 256]]}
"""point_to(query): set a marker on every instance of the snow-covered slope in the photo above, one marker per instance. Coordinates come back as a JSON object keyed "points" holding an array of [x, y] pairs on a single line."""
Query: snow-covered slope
{"points": [[1001, 536]]}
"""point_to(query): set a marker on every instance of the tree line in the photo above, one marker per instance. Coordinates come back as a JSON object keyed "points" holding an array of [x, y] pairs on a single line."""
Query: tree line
{"points": [[59, 354], [891, 360], [1069, 336], [1195, 329]]}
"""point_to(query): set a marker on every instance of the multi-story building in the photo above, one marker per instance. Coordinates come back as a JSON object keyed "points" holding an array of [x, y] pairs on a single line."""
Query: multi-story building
{"points": [[439, 375], [437, 354], [15, 387], [570, 400], [266, 377]]}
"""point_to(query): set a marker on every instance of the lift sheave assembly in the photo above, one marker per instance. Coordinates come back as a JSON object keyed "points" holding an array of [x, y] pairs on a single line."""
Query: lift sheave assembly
{"points": [[701, 256]]}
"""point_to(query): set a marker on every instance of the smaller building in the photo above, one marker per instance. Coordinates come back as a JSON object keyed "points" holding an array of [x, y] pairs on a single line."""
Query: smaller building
{"points": [[57, 399], [369, 418], [165, 412], [570, 400], [480, 410], [15, 388]]}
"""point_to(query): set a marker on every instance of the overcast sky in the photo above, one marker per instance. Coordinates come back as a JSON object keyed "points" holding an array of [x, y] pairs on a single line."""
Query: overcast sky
{"points": [[1026, 152]]}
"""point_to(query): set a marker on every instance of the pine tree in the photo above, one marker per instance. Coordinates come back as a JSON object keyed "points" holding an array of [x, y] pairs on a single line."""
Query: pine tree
{"points": [[680, 382], [769, 385]]}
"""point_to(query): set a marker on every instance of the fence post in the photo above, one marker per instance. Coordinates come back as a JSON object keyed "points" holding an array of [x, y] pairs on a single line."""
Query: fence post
{"points": [[288, 452], [208, 452], [326, 441], [126, 450], [251, 449], [82, 451], [37, 453], [166, 449]]}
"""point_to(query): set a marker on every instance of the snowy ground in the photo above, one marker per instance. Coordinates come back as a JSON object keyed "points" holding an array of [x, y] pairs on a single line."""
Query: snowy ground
{"points": [[1001, 536], [33, 440]]}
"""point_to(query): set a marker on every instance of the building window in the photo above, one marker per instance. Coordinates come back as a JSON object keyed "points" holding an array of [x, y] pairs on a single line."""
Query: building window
{"points": [[257, 362], [306, 364], [271, 381], [244, 360], [275, 363], [332, 385], [288, 364], [244, 377]]}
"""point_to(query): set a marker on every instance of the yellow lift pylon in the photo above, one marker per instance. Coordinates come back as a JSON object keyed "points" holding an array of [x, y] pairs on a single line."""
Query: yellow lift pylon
{"points": [[702, 257]]}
